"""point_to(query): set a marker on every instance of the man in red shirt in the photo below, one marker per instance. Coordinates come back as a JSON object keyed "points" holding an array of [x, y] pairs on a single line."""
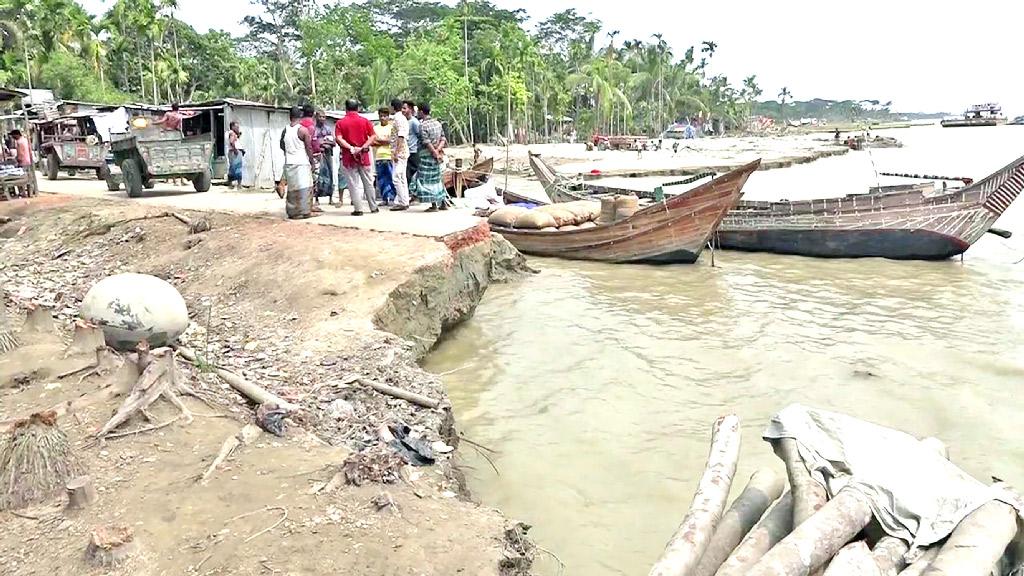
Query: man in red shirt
{"points": [[355, 135]]}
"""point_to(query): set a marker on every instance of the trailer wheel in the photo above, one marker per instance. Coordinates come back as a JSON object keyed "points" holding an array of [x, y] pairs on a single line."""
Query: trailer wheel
{"points": [[113, 183], [103, 172], [52, 166], [203, 181], [132, 175]]}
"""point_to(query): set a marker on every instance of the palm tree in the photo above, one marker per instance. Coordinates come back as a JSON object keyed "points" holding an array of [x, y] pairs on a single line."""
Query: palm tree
{"points": [[784, 95]]}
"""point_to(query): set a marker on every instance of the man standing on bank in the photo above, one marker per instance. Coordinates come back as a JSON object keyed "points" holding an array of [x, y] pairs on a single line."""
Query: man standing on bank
{"points": [[355, 136], [297, 144], [235, 154], [400, 156], [409, 110], [429, 181]]}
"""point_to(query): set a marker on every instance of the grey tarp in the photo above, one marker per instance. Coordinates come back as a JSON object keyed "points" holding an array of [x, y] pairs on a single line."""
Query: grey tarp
{"points": [[915, 493]]}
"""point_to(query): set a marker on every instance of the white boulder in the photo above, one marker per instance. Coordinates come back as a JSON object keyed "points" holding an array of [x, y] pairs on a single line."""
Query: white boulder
{"points": [[135, 307]]}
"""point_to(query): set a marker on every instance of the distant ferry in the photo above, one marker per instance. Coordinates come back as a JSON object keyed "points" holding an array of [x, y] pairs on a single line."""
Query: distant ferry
{"points": [[978, 115], [1019, 120]]}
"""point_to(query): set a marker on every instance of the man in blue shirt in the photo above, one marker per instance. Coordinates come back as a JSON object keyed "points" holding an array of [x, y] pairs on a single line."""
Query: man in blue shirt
{"points": [[409, 110]]}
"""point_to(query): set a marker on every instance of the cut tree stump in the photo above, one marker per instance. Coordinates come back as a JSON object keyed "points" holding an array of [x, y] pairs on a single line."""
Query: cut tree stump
{"points": [[87, 340], [111, 546], [38, 323], [775, 526], [159, 378], [81, 493], [36, 461], [687, 545], [8, 341], [818, 539], [853, 560], [764, 487], [977, 543]]}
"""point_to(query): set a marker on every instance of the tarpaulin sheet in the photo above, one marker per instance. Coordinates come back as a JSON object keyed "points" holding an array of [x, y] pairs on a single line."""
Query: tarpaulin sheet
{"points": [[915, 493]]}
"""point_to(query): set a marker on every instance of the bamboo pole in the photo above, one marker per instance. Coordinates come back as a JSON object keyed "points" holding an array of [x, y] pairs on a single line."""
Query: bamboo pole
{"points": [[769, 531], [687, 545], [765, 487]]}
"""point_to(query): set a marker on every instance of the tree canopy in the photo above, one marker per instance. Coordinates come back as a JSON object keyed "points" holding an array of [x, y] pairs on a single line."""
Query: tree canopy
{"points": [[486, 70]]}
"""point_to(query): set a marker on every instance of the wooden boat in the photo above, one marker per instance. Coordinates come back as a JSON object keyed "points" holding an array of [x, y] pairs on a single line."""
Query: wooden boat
{"points": [[673, 231], [899, 222], [912, 222], [472, 177]]}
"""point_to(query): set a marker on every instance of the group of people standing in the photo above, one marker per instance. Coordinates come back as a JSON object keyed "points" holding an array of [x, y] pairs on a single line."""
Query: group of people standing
{"points": [[407, 152]]}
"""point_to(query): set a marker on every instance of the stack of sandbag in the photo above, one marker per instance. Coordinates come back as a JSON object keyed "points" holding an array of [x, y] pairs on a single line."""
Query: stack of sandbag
{"points": [[616, 208], [563, 217]]}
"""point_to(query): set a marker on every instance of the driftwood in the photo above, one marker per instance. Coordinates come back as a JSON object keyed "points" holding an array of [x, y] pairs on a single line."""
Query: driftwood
{"points": [[808, 495], [977, 543], [922, 563], [853, 560], [247, 435], [241, 385], [417, 399], [687, 545], [814, 542], [775, 526], [109, 547], [765, 487], [81, 493]]}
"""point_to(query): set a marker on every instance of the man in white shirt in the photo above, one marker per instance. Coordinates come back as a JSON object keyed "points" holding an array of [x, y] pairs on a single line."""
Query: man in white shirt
{"points": [[400, 156]]}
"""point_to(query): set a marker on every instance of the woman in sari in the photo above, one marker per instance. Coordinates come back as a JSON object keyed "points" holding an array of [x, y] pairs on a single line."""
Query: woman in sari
{"points": [[429, 179]]}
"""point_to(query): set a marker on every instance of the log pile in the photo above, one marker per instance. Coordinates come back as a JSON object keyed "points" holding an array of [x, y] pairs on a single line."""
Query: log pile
{"points": [[805, 532]]}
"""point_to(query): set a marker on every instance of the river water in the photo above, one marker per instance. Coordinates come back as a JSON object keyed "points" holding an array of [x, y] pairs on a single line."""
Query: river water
{"points": [[597, 384]]}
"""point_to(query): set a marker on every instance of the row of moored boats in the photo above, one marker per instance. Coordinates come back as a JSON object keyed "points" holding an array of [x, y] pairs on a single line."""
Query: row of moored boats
{"points": [[908, 222]]}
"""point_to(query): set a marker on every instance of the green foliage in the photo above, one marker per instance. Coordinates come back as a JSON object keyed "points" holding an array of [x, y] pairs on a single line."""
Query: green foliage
{"points": [[485, 73]]}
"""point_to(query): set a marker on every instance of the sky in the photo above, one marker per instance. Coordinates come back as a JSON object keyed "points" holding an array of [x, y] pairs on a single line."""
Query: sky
{"points": [[938, 56]]}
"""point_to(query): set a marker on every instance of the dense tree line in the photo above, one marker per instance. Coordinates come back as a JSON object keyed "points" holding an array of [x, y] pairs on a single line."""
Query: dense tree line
{"points": [[486, 70]]}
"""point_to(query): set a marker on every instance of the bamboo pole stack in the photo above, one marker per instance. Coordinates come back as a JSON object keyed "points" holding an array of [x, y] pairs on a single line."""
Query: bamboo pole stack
{"points": [[805, 533]]}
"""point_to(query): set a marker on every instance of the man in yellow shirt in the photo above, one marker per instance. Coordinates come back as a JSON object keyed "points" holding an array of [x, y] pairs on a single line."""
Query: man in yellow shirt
{"points": [[382, 156]]}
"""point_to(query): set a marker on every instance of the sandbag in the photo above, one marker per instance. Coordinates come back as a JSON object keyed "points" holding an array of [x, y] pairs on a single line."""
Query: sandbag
{"points": [[568, 227], [625, 206], [585, 210], [549, 229], [506, 217], [587, 225], [535, 220], [607, 215], [562, 216]]}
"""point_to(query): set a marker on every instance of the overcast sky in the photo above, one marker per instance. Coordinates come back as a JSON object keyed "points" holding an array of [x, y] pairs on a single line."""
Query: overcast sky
{"points": [[929, 56]]}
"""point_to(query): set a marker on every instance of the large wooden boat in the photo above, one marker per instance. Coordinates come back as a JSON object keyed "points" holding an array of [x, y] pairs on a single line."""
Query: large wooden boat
{"points": [[901, 222], [472, 177], [977, 115], [913, 222], [673, 231]]}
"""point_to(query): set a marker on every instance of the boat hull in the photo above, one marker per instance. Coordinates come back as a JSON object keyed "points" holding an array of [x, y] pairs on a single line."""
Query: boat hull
{"points": [[974, 122], [878, 243], [671, 232], [904, 223]]}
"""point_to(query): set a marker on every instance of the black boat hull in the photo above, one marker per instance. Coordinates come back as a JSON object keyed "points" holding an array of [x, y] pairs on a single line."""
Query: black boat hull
{"points": [[878, 243]]}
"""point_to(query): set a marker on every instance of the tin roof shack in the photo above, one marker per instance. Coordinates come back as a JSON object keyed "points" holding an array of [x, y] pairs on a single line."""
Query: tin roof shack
{"points": [[261, 130], [14, 115]]}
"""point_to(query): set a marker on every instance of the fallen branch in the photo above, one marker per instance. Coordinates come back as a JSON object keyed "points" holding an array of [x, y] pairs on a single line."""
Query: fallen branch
{"points": [[142, 430], [251, 391], [765, 487], [687, 545], [412, 397], [284, 516], [248, 434], [105, 227]]}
